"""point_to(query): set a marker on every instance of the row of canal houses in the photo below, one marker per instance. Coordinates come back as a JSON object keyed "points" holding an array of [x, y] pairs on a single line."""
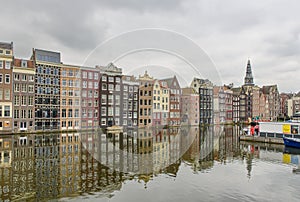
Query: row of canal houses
{"points": [[43, 93]]}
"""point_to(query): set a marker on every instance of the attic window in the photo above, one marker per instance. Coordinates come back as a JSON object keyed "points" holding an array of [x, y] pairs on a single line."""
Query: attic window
{"points": [[23, 63]]}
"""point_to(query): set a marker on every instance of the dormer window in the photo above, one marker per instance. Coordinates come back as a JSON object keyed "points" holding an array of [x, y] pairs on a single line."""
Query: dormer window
{"points": [[24, 63]]}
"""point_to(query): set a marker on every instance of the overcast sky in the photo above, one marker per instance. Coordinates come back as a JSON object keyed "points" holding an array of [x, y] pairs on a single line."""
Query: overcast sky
{"points": [[229, 32]]}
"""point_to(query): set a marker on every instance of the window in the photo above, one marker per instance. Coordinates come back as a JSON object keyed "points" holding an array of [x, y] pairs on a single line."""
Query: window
{"points": [[84, 84], [90, 75], [84, 93], [104, 86], [70, 92], [0, 110], [103, 99], [17, 77], [117, 111], [111, 87], [90, 84], [110, 99], [1, 64], [117, 101], [30, 114], [30, 100], [103, 121], [63, 124], [1, 78], [30, 78], [7, 52], [7, 94], [90, 93], [24, 87], [76, 113], [24, 77], [76, 93], [71, 72], [70, 113], [104, 78], [84, 75], [77, 83], [7, 78], [23, 113], [16, 114], [103, 111], [63, 102], [64, 82], [6, 111], [111, 79], [7, 64], [23, 100], [63, 113], [47, 81], [110, 111], [96, 76], [96, 85], [1, 93], [70, 83], [118, 80], [30, 88], [64, 92]]}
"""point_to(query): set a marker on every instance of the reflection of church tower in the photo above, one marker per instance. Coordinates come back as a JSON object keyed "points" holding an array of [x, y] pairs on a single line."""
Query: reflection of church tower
{"points": [[249, 76], [249, 159]]}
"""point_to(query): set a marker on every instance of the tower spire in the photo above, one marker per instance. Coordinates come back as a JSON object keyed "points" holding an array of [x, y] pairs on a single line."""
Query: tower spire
{"points": [[249, 77]]}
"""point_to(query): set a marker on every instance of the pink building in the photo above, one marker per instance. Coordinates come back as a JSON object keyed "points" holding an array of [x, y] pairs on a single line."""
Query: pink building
{"points": [[90, 98], [189, 107]]}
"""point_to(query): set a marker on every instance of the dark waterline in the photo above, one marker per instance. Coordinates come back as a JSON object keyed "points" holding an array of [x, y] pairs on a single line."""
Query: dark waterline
{"points": [[186, 164]]}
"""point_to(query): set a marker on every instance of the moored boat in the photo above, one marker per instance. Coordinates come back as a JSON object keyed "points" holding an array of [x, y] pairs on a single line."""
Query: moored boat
{"points": [[291, 142]]}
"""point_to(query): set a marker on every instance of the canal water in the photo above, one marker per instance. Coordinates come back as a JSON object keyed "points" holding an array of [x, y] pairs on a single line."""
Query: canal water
{"points": [[179, 164]]}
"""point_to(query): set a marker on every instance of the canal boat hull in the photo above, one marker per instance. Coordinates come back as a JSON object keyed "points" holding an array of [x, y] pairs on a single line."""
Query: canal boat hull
{"points": [[291, 142]]}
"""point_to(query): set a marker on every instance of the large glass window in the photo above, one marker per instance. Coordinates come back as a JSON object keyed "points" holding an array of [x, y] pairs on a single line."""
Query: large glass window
{"points": [[6, 111]]}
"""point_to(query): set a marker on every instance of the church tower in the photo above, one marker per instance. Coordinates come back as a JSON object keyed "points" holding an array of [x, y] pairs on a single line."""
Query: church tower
{"points": [[249, 76]]}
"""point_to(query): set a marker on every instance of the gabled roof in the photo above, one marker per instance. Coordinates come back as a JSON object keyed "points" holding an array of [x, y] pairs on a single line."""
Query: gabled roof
{"points": [[6, 45], [170, 81], [188, 91], [268, 89]]}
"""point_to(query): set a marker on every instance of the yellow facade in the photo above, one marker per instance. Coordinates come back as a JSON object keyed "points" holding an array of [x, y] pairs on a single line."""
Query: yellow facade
{"points": [[70, 98]]}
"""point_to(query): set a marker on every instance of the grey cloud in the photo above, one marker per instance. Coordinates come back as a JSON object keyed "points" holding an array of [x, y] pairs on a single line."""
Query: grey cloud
{"points": [[229, 31], [139, 5]]}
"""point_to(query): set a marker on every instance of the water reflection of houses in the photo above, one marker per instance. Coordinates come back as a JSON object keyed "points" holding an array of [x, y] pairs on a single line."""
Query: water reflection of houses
{"points": [[140, 151], [70, 159], [95, 174], [5, 168], [227, 145], [200, 142], [23, 170], [47, 166]]}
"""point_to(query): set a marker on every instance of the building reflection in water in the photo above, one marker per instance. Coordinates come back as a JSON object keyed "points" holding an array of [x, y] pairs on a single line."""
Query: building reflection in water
{"points": [[49, 166]]}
